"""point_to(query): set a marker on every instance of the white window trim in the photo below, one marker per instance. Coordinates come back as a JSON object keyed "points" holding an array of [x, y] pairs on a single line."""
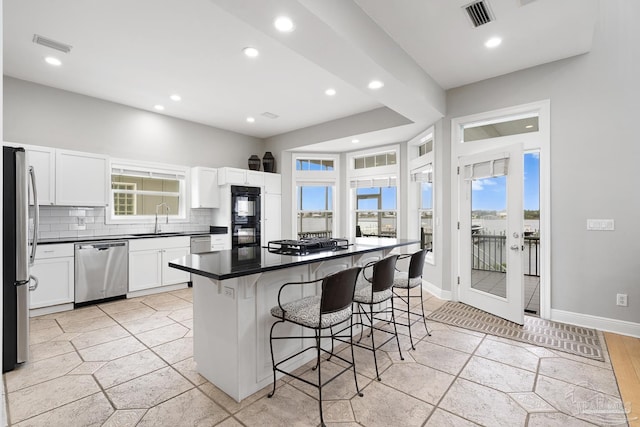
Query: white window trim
{"points": [[158, 169], [315, 178], [372, 173]]}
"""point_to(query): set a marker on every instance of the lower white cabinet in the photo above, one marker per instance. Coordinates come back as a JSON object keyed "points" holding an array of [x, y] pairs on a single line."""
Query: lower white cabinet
{"points": [[149, 262], [54, 269]]}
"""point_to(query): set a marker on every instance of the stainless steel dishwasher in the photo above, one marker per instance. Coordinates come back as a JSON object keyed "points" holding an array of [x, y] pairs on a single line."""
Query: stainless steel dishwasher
{"points": [[101, 270]]}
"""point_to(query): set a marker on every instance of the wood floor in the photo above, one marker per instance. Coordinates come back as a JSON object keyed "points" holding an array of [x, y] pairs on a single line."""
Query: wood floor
{"points": [[625, 358]]}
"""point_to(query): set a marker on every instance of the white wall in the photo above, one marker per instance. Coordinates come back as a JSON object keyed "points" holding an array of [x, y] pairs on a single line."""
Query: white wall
{"points": [[42, 115], [595, 152]]}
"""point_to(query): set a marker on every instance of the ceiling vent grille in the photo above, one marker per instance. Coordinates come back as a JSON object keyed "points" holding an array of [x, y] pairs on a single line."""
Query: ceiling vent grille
{"points": [[479, 13], [269, 115], [62, 47]]}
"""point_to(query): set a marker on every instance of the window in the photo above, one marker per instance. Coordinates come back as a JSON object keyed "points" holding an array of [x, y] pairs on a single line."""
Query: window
{"points": [[425, 209], [315, 211], [383, 159], [425, 148], [314, 164], [139, 193], [376, 213], [504, 126]]}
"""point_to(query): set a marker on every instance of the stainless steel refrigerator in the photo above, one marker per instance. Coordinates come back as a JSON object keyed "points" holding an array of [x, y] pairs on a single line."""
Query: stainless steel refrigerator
{"points": [[18, 254]]}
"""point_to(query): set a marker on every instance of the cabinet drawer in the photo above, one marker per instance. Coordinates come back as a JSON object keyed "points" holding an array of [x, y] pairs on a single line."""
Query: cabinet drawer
{"points": [[54, 251], [159, 243]]}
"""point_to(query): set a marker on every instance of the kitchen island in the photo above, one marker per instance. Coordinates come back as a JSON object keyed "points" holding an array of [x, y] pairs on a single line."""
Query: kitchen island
{"points": [[233, 292]]}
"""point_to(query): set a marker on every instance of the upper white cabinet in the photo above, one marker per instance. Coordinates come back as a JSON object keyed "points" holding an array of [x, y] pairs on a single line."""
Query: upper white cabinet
{"points": [[236, 176], [81, 178], [43, 160], [272, 183], [272, 217], [204, 188]]}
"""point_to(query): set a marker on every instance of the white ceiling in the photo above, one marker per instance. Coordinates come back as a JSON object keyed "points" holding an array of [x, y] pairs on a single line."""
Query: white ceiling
{"points": [[139, 52]]}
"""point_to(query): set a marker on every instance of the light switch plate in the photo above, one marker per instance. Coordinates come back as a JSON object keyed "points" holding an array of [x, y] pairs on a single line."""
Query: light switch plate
{"points": [[600, 225]]}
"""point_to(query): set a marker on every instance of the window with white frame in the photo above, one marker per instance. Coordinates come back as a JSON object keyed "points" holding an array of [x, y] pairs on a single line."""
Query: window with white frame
{"points": [[140, 191], [424, 180], [374, 198], [315, 179], [421, 205]]}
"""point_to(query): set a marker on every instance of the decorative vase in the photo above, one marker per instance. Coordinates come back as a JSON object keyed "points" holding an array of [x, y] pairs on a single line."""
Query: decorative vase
{"points": [[254, 163], [269, 162]]}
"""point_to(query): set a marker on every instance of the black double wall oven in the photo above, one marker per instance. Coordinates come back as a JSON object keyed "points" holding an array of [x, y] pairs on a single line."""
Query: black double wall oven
{"points": [[245, 217]]}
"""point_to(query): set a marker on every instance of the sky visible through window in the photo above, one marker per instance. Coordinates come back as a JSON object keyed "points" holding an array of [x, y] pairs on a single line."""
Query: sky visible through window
{"points": [[388, 198], [316, 198], [489, 194]]}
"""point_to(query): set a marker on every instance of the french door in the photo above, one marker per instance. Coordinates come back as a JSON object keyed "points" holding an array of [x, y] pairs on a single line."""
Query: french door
{"points": [[490, 232]]}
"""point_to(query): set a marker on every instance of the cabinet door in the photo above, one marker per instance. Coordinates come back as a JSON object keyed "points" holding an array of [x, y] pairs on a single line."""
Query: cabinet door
{"points": [[43, 160], [204, 188], [272, 213], [273, 183], [172, 276], [232, 176], [55, 282], [255, 179], [145, 269], [81, 179]]}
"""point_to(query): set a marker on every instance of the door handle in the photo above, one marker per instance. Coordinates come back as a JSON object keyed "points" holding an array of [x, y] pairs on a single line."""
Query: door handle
{"points": [[514, 247], [33, 279]]}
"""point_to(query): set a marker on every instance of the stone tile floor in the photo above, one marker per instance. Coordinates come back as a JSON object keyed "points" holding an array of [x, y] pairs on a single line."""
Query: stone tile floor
{"points": [[129, 363]]}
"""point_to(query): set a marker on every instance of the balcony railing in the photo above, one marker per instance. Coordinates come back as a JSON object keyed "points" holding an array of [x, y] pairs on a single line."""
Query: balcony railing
{"points": [[489, 253]]}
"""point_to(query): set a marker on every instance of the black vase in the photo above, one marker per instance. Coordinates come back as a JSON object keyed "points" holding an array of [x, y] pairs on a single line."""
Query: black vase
{"points": [[254, 163], [269, 162]]}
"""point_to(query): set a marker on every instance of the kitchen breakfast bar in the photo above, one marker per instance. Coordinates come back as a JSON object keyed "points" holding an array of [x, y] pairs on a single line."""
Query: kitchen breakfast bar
{"points": [[233, 293]]}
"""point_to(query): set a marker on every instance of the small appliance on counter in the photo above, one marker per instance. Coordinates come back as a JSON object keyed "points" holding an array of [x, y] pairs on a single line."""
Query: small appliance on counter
{"points": [[306, 246]]}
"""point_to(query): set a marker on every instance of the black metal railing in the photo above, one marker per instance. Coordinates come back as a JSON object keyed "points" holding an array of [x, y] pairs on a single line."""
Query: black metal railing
{"points": [[489, 253]]}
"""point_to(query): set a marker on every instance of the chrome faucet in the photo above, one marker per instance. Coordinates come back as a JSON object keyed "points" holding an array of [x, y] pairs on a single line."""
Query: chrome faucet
{"points": [[156, 228]]}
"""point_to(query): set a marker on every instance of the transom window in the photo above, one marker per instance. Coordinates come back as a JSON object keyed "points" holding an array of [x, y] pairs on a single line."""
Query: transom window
{"points": [[314, 164], [505, 126], [382, 159], [425, 147], [139, 193]]}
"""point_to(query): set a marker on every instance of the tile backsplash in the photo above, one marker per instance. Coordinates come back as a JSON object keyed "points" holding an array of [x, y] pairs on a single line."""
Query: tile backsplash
{"points": [[65, 222]]}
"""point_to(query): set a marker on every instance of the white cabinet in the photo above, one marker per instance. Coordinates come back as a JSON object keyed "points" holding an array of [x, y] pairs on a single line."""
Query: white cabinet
{"points": [[220, 242], [272, 183], [149, 259], [81, 178], [204, 188], [54, 268], [234, 176], [43, 160], [271, 224]]}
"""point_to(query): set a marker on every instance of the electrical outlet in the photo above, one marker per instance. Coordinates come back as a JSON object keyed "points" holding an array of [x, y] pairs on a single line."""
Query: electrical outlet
{"points": [[228, 292], [621, 300], [81, 220]]}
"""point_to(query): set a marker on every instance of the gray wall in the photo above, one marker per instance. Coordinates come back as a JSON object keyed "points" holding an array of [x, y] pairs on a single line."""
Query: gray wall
{"points": [[595, 153], [42, 115]]}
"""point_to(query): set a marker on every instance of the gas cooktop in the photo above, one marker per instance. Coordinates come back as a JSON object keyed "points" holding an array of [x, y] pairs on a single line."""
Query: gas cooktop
{"points": [[306, 246]]}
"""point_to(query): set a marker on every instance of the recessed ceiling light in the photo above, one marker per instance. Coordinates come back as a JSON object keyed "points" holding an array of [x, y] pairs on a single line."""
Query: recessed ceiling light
{"points": [[250, 119], [159, 107], [493, 42], [355, 141], [528, 126], [251, 52], [53, 61], [330, 92], [283, 24], [375, 84], [175, 97]]}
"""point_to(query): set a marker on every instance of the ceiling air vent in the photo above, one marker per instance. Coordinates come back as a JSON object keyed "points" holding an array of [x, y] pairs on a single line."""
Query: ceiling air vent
{"points": [[269, 115], [66, 48], [479, 13]]}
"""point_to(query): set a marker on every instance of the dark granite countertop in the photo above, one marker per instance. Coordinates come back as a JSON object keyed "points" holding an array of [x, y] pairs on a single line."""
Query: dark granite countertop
{"points": [[232, 263], [119, 237]]}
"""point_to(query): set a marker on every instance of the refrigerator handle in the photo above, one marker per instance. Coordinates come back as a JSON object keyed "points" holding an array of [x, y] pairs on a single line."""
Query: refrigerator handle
{"points": [[36, 216]]}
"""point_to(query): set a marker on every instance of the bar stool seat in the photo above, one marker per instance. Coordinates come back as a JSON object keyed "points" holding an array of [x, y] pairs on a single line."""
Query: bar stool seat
{"points": [[363, 294], [306, 312], [401, 280]]}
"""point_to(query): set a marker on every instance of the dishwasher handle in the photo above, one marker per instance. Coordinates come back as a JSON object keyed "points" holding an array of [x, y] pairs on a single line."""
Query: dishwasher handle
{"points": [[100, 246]]}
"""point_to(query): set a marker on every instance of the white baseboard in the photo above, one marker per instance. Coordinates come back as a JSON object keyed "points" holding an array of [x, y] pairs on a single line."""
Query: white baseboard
{"points": [[158, 290], [436, 291], [622, 327]]}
